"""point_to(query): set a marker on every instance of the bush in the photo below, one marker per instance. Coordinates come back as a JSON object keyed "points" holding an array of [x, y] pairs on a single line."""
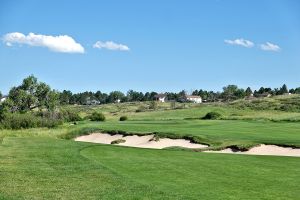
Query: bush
{"points": [[80, 131], [212, 115], [70, 115], [27, 120], [153, 105], [96, 116], [123, 118], [118, 141]]}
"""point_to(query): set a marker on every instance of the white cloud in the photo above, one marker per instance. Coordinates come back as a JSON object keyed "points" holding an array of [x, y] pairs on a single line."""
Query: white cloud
{"points": [[240, 42], [110, 45], [60, 43], [269, 47]]}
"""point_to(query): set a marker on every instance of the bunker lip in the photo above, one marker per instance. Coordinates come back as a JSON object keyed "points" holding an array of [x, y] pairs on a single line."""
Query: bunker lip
{"points": [[263, 149], [144, 141]]}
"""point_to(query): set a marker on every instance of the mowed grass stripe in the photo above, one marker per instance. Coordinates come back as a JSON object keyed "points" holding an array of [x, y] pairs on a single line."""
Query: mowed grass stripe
{"points": [[44, 168], [202, 175]]}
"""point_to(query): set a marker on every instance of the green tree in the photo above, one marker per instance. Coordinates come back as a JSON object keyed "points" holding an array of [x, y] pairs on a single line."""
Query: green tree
{"points": [[42, 94], [248, 92], [31, 94], [102, 97], [229, 91], [52, 100], [240, 93], [65, 97], [115, 96], [134, 96], [297, 90], [283, 89]]}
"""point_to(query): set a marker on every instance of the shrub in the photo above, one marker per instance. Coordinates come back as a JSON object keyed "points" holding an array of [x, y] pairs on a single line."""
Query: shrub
{"points": [[70, 115], [96, 116], [118, 141], [123, 118], [212, 115], [141, 109], [27, 120], [153, 105], [80, 131]]}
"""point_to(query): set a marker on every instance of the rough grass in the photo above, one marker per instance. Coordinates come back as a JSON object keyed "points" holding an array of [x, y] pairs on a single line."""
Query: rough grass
{"points": [[257, 109]]}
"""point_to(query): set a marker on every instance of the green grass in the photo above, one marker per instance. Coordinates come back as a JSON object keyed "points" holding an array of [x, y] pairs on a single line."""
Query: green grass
{"points": [[42, 163], [44, 168], [219, 133]]}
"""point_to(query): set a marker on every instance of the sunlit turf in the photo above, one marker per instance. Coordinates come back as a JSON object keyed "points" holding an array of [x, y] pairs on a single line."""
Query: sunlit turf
{"points": [[44, 168], [39, 164]]}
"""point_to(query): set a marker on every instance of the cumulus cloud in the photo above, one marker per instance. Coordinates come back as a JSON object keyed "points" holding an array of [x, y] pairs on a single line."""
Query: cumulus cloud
{"points": [[60, 43], [269, 47], [240, 42], [110, 45]]}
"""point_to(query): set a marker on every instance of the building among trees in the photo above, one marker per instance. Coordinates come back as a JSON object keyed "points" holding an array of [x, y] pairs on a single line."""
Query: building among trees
{"points": [[161, 97], [3, 98], [194, 98]]}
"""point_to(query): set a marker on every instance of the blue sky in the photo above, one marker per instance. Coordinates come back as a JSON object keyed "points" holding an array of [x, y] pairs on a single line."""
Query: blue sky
{"points": [[154, 45]]}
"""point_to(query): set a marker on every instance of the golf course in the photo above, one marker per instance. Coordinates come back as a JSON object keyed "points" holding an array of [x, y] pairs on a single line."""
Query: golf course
{"points": [[150, 100], [46, 163]]}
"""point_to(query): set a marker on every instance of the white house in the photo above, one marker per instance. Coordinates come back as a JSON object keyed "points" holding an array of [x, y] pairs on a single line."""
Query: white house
{"points": [[195, 99], [160, 97], [90, 101], [3, 98]]}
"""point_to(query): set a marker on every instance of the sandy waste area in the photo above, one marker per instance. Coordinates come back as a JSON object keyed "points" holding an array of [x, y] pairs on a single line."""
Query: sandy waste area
{"points": [[264, 149], [147, 141], [139, 141]]}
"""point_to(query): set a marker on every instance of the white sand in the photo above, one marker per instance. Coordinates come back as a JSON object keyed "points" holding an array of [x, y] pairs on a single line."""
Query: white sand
{"points": [[265, 150], [98, 138], [145, 142], [139, 141]]}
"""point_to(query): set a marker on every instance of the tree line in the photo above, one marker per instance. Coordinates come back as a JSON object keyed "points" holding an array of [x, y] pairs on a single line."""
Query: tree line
{"points": [[229, 93], [33, 94]]}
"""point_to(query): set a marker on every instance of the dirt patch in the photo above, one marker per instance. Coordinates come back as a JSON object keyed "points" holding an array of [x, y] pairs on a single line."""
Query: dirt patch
{"points": [[145, 141], [264, 150]]}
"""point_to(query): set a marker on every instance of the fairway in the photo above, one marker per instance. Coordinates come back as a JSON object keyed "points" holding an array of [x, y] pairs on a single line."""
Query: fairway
{"points": [[215, 132], [38, 168]]}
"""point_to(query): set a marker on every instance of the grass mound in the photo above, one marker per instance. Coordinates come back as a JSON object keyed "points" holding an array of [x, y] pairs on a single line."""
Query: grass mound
{"points": [[123, 118], [212, 116], [118, 141]]}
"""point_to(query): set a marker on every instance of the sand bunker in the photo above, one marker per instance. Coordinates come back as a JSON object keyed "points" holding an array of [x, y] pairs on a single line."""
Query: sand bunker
{"points": [[139, 141], [147, 141], [265, 150]]}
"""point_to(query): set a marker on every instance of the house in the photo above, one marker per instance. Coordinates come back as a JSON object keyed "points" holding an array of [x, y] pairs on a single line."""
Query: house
{"points": [[94, 102], [90, 101], [265, 94], [194, 99], [3, 98], [160, 97]]}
